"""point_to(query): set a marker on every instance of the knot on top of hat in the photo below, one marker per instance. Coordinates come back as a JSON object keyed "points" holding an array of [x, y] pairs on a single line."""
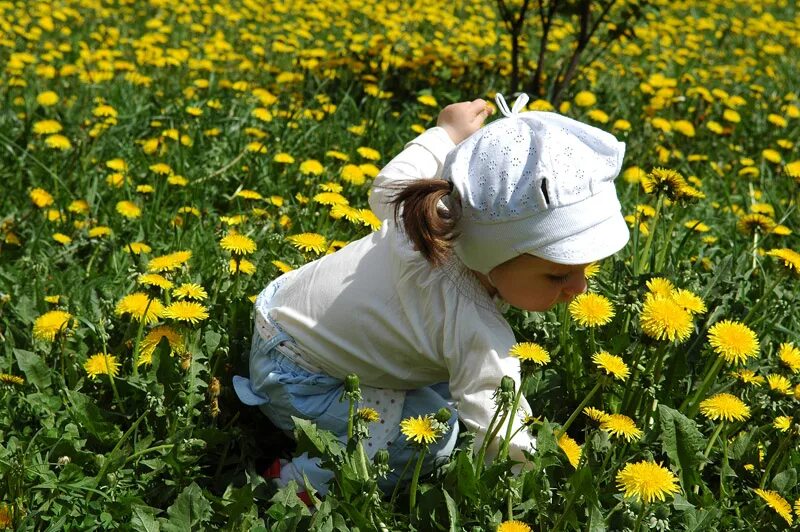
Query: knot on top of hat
{"points": [[519, 104]]}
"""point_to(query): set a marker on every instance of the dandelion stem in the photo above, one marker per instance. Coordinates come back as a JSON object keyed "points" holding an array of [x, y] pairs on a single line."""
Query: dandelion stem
{"points": [[412, 501], [504, 447], [704, 386], [645, 257], [399, 481], [638, 523], [580, 407], [772, 459], [762, 300], [139, 338], [711, 444], [487, 440]]}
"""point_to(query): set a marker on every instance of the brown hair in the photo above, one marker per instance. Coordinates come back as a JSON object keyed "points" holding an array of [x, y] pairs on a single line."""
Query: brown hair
{"points": [[429, 227]]}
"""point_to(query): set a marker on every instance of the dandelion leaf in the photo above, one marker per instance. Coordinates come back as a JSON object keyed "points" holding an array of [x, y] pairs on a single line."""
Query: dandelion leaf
{"points": [[143, 519], [316, 442], [189, 511], [683, 443], [34, 368], [784, 481], [87, 415]]}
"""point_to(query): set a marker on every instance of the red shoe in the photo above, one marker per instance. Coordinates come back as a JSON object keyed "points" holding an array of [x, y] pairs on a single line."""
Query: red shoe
{"points": [[273, 471]]}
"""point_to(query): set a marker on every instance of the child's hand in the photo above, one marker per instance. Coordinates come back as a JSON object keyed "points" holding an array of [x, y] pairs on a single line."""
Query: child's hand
{"points": [[462, 119]]}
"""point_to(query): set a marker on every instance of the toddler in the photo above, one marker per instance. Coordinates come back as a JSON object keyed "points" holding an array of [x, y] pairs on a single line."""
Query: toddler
{"points": [[474, 219]]}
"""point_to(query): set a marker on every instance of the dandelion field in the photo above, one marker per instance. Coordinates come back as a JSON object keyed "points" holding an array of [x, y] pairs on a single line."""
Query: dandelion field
{"points": [[163, 161]]}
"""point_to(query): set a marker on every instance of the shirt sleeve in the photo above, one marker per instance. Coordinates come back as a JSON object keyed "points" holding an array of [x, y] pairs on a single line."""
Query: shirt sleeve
{"points": [[422, 158], [477, 362]]}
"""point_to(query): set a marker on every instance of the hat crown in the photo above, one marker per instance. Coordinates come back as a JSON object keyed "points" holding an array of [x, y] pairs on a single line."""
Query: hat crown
{"points": [[530, 162]]}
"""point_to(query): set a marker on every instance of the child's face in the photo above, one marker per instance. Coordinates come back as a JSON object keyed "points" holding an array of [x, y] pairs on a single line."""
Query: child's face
{"points": [[535, 284]]}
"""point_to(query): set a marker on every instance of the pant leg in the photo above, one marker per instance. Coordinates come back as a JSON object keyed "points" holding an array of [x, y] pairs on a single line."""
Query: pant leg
{"points": [[421, 402]]}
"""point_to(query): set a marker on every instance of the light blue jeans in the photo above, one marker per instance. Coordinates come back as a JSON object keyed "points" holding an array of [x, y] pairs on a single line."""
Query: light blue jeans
{"points": [[281, 388]]}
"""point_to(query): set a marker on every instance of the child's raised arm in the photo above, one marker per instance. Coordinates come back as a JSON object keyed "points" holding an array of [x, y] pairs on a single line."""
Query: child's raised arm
{"points": [[424, 156]]}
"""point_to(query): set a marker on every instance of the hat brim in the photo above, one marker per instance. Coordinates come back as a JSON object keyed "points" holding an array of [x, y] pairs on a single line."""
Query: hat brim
{"points": [[593, 244]]}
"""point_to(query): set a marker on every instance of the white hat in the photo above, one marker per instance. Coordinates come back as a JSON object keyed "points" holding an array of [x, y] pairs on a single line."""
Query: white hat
{"points": [[536, 183]]}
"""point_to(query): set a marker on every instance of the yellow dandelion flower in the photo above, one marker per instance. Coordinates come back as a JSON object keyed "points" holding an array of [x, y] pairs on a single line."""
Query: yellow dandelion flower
{"points": [[99, 231], [282, 266], [511, 526], [47, 98], [733, 341], [50, 324], [622, 426], [660, 287], [647, 481], [611, 364], [790, 258], [283, 158], [46, 127], [311, 167], [755, 222], [726, 407], [421, 430], [241, 266], [61, 238], [352, 174], [331, 187], [41, 198], [337, 155], [186, 311], [689, 301], [591, 310], [428, 100], [308, 242], [529, 351], [369, 153], [118, 165], [330, 198], [370, 415], [777, 503], [136, 304], [169, 262], [595, 414], [664, 181], [6, 378], [369, 219], [249, 194], [151, 340], [663, 319], [585, 99], [154, 279], [101, 364], [571, 449], [129, 209], [190, 291], [237, 244], [369, 169], [161, 169], [351, 214], [790, 356], [782, 423], [780, 384], [137, 248], [748, 376]]}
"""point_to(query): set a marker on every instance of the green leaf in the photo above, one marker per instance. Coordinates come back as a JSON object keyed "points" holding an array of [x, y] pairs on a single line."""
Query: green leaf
{"points": [[316, 442], [189, 511], [785, 480], [683, 443], [87, 415], [212, 340], [34, 368], [452, 512], [143, 519]]}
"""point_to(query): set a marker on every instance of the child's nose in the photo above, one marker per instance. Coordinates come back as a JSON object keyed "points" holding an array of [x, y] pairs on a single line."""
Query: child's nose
{"points": [[576, 285]]}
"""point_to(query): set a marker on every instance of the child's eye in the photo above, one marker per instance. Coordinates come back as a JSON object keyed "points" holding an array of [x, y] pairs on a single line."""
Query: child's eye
{"points": [[559, 279]]}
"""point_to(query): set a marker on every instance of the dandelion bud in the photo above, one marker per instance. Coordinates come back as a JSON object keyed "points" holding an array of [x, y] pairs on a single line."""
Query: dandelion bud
{"points": [[351, 383], [213, 408], [443, 415], [213, 388], [186, 361], [381, 462], [64, 460], [507, 385]]}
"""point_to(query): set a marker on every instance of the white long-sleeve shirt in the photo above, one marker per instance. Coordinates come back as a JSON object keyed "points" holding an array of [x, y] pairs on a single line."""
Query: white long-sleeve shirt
{"points": [[378, 309]]}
